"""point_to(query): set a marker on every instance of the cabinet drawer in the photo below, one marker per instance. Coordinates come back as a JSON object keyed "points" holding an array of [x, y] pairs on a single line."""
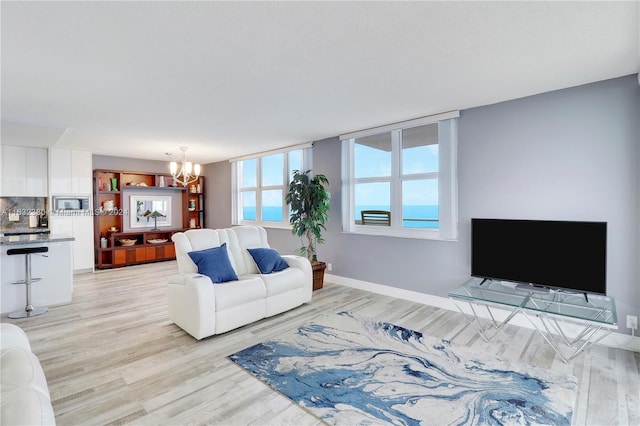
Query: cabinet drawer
{"points": [[161, 252], [150, 253], [169, 251], [122, 256]]}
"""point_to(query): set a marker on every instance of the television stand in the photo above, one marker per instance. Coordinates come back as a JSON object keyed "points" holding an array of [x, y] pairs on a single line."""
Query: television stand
{"points": [[533, 288], [549, 312]]}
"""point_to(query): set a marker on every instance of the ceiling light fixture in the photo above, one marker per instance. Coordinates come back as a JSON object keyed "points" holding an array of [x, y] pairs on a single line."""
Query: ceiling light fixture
{"points": [[188, 172]]}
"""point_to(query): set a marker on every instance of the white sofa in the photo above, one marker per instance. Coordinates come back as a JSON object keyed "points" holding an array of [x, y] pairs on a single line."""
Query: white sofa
{"points": [[24, 395], [203, 308]]}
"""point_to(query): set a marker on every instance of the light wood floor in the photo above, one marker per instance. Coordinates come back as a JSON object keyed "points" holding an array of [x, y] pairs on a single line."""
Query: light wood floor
{"points": [[113, 357]]}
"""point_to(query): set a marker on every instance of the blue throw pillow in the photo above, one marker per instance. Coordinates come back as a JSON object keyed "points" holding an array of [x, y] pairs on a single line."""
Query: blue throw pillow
{"points": [[268, 260], [214, 263]]}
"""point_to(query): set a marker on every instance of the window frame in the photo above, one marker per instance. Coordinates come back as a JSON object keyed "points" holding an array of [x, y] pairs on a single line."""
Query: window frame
{"points": [[446, 175], [237, 189]]}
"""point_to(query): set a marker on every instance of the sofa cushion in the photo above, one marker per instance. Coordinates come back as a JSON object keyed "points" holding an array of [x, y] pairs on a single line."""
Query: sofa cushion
{"points": [[214, 263], [245, 290], [283, 281], [240, 238], [268, 260]]}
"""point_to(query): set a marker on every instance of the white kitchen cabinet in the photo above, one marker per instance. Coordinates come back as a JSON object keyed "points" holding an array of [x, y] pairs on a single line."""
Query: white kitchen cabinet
{"points": [[24, 171], [71, 171], [61, 225], [60, 166], [83, 253], [80, 228], [81, 172], [36, 172], [14, 161]]}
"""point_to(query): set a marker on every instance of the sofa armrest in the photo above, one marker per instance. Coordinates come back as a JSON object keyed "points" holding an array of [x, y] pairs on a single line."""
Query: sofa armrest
{"points": [[25, 394], [304, 265], [182, 279], [192, 304], [12, 336]]}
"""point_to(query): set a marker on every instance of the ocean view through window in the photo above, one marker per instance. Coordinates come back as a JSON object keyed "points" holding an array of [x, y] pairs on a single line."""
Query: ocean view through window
{"points": [[407, 170], [412, 216], [259, 185]]}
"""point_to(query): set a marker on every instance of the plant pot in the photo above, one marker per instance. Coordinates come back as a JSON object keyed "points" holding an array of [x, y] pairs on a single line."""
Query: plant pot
{"points": [[318, 274]]}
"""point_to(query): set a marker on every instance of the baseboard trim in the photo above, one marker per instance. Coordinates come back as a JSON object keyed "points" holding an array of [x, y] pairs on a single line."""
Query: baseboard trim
{"points": [[614, 340]]}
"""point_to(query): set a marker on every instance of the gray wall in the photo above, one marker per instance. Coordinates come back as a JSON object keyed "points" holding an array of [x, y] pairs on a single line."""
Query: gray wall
{"points": [[218, 193], [572, 154]]}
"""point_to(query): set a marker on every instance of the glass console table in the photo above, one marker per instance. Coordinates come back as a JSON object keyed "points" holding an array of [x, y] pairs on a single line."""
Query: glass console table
{"points": [[594, 314]]}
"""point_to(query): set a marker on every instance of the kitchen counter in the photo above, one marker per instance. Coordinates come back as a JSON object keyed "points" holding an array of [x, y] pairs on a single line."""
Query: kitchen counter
{"points": [[34, 239], [8, 231], [54, 267]]}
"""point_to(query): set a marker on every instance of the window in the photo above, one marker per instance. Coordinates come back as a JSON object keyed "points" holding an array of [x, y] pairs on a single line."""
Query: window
{"points": [[407, 169], [260, 183]]}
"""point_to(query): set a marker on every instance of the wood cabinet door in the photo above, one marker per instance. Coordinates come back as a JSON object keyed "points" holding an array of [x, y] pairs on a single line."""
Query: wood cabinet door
{"points": [[169, 251], [123, 256], [141, 254], [120, 256], [151, 253]]}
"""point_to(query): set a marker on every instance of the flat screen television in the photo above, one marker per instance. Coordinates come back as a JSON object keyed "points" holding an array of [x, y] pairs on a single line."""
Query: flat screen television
{"points": [[546, 253]]}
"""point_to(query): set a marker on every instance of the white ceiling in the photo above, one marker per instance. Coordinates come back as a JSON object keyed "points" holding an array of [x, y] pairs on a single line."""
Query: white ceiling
{"points": [[226, 79]]}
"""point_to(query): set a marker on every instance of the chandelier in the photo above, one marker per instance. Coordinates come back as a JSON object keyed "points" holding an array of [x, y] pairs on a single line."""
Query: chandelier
{"points": [[188, 172]]}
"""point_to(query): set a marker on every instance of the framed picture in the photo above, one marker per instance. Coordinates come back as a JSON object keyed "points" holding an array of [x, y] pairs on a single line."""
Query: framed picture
{"points": [[150, 211]]}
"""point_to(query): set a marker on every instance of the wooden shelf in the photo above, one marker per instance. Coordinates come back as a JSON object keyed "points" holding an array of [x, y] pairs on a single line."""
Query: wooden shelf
{"points": [[195, 199], [116, 255]]}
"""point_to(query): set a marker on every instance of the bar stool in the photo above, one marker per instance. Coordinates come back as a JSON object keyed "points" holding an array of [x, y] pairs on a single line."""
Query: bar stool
{"points": [[29, 310]]}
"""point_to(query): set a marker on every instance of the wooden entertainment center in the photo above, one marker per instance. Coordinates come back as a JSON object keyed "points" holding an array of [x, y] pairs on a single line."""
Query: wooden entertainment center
{"points": [[116, 243]]}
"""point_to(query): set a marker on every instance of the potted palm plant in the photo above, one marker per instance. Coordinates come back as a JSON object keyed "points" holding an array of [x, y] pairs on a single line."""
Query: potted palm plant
{"points": [[309, 201]]}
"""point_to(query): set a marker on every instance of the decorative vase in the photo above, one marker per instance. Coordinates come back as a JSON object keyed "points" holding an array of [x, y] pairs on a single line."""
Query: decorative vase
{"points": [[161, 181], [114, 184]]}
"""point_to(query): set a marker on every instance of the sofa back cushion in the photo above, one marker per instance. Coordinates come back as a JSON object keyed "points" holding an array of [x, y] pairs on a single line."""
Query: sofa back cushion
{"points": [[238, 239], [194, 240]]}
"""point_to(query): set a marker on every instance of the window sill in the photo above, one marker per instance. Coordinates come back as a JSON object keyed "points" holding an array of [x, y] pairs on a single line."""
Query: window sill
{"points": [[413, 233], [274, 225]]}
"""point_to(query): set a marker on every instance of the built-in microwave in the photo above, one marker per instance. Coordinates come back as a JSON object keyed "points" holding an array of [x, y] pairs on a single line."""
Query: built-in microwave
{"points": [[70, 203]]}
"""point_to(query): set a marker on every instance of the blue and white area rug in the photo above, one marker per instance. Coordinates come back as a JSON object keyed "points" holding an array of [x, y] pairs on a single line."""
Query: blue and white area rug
{"points": [[352, 371]]}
